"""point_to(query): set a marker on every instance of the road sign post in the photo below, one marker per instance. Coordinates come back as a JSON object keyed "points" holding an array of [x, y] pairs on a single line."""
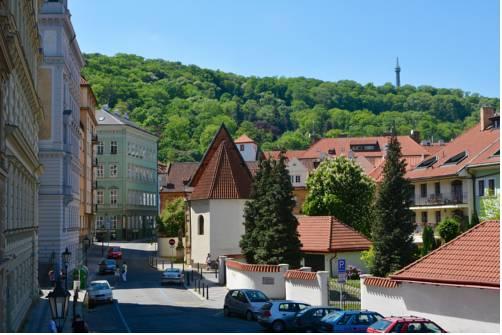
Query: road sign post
{"points": [[342, 276]]}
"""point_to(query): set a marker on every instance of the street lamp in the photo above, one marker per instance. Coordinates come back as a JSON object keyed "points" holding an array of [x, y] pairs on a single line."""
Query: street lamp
{"points": [[58, 302], [87, 244], [66, 260]]}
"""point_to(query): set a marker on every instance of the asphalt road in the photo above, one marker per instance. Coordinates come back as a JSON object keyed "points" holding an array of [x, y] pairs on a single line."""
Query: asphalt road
{"points": [[143, 305]]}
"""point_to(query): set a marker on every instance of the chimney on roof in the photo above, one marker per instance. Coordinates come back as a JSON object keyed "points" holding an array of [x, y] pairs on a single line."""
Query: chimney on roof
{"points": [[486, 113], [415, 135]]}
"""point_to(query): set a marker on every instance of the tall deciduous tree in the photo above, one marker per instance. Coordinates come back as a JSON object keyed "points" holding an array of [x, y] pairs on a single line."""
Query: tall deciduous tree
{"points": [[271, 235], [172, 218], [340, 188], [393, 228]]}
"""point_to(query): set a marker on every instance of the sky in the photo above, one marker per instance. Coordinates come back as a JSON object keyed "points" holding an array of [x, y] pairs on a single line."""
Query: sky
{"points": [[446, 43]]}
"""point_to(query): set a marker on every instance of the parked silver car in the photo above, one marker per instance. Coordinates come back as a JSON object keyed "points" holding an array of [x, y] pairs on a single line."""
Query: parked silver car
{"points": [[172, 275], [244, 302], [279, 315], [99, 290]]}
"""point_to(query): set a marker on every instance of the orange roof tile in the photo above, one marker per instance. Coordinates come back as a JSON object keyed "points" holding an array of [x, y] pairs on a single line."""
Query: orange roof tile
{"points": [[301, 275], [289, 154], [178, 173], [471, 259], [222, 173], [327, 234], [381, 282], [474, 141], [252, 267], [433, 148], [244, 139]]}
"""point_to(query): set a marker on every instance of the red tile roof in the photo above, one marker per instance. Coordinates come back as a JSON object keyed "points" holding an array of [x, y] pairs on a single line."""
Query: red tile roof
{"points": [[433, 148], [471, 259], [252, 267], [222, 173], [301, 275], [478, 144], [289, 154], [381, 282], [178, 173], [244, 139], [327, 234]]}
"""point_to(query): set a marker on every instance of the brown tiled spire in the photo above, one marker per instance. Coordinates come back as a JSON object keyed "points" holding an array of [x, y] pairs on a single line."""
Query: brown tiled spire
{"points": [[222, 173]]}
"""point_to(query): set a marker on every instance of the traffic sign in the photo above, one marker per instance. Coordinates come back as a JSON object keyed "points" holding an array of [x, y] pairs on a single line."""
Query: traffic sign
{"points": [[172, 242], [341, 266], [342, 277]]}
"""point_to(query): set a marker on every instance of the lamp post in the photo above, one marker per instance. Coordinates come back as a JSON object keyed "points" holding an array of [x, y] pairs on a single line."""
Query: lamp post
{"points": [[66, 260], [87, 244], [58, 302]]}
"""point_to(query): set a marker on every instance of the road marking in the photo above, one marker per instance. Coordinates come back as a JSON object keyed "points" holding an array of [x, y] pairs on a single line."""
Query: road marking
{"points": [[121, 316]]}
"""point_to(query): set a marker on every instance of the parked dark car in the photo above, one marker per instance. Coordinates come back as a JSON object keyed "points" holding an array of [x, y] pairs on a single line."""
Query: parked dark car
{"points": [[107, 266], [309, 319], [114, 253], [348, 321], [278, 315], [244, 302], [405, 324]]}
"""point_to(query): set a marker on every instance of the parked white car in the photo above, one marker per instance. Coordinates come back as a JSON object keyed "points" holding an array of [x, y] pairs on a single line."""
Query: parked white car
{"points": [[279, 315], [99, 290], [172, 275]]}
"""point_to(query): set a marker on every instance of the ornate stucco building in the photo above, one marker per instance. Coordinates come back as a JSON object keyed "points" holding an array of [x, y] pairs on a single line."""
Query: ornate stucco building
{"points": [[88, 138], [59, 138], [126, 178], [20, 116]]}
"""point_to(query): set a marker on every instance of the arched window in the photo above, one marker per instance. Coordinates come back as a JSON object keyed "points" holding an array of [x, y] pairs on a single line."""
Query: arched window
{"points": [[201, 225]]}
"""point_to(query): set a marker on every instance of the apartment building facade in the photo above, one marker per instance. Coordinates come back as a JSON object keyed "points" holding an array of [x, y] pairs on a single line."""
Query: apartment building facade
{"points": [[20, 117], [126, 182]]}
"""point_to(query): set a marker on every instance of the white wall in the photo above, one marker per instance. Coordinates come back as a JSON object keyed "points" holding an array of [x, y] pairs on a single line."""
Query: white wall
{"points": [[237, 279], [199, 243], [249, 152], [227, 226], [352, 258], [296, 168], [165, 249], [456, 309], [313, 292]]}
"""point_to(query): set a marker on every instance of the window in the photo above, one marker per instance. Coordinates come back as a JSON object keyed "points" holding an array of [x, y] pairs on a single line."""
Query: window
{"points": [[100, 223], [344, 319], [438, 216], [100, 171], [201, 225], [297, 179], [437, 188], [457, 158], [286, 308], [481, 188], [115, 221], [423, 190], [113, 147], [362, 319], [424, 217], [491, 186], [99, 197], [113, 170], [100, 147], [113, 197], [428, 162], [241, 147]]}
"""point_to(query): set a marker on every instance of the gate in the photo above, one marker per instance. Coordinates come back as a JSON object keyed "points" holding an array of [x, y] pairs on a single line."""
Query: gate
{"points": [[351, 295]]}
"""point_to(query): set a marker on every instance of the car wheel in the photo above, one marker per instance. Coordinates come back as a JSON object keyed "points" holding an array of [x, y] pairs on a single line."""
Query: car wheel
{"points": [[278, 326], [226, 312], [249, 316]]}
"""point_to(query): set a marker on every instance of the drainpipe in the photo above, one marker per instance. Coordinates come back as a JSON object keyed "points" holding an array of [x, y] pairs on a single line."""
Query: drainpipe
{"points": [[473, 179], [331, 265]]}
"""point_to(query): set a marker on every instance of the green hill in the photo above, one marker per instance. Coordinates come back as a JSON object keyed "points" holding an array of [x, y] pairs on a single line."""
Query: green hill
{"points": [[185, 104]]}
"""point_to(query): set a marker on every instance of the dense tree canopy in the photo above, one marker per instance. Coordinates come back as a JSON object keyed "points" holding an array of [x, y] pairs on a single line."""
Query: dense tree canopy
{"points": [[183, 104]]}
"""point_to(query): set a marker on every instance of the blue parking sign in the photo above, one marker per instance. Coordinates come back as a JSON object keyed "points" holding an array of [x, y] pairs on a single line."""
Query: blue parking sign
{"points": [[341, 265]]}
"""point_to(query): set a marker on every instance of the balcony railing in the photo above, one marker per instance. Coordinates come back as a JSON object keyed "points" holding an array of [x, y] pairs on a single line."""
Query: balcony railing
{"points": [[441, 199]]}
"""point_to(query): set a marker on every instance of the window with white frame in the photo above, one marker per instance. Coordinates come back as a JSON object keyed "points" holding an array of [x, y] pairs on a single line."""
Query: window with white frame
{"points": [[115, 222], [297, 179], [113, 170], [100, 222], [100, 147], [99, 197], [113, 197], [100, 171], [113, 147]]}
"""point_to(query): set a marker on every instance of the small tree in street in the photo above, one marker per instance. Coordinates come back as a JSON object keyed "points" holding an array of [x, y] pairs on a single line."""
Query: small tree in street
{"points": [[393, 228], [271, 235], [448, 229], [339, 187], [172, 218]]}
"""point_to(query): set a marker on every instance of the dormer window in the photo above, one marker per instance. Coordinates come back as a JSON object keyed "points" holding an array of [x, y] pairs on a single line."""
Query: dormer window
{"points": [[428, 162], [241, 147], [457, 158], [365, 146], [332, 151]]}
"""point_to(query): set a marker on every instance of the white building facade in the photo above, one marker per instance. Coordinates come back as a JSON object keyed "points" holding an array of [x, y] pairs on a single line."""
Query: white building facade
{"points": [[59, 195], [20, 116]]}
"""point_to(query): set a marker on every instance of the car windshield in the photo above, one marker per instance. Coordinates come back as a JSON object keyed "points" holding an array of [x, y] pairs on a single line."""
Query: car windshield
{"points": [[332, 316], [380, 325], [256, 296], [423, 327], [99, 286], [173, 270]]}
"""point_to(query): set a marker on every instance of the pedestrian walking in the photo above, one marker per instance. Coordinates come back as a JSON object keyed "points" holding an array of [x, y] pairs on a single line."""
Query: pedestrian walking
{"points": [[52, 326], [52, 278], [124, 272], [117, 275], [208, 261]]}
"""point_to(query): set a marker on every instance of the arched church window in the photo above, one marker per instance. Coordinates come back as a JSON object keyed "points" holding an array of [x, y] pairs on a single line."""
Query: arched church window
{"points": [[201, 225]]}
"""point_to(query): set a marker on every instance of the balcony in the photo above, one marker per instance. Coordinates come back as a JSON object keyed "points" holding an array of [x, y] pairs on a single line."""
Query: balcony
{"points": [[453, 199]]}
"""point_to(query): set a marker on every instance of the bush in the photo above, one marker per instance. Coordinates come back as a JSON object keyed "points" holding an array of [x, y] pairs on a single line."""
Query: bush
{"points": [[368, 258], [429, 241], [448, 229], [353, 273]]}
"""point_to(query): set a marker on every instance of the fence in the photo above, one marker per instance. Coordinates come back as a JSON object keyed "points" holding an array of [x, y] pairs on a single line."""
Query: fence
{"points": [[351, 296]]}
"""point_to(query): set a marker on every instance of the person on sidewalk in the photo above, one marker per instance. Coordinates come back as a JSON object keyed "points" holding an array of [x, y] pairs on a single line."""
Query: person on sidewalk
{"points": [[52, 326], [208, 261], [79, 325], [117, 275], [52, 278], [124, 272]]}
